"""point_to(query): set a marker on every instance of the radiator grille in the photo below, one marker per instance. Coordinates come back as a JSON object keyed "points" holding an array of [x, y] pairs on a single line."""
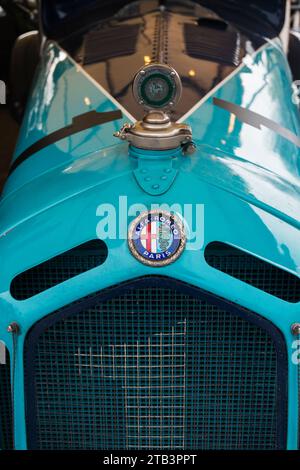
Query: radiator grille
{"points": [[253, 271], [56, 270], [6, 426], [153, 367]]}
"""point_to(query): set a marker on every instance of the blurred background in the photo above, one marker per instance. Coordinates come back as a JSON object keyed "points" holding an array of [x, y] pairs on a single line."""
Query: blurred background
{"points": [[16, 17]]}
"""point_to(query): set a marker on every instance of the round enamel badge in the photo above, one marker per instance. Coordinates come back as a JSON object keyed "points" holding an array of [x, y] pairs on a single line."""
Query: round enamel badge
{"points": [[156, 238]]}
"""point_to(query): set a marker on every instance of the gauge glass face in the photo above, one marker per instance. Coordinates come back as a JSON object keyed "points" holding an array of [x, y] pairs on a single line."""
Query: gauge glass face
{"points": [[157, 90], [157, 86]]}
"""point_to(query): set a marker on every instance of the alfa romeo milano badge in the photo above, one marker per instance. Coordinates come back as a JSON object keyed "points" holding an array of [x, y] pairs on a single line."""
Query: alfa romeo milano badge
{"points": [[156, 238]]}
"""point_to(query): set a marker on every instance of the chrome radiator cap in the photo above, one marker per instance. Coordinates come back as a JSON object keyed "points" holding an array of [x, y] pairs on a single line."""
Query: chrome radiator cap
{"points": [[157, 88]]}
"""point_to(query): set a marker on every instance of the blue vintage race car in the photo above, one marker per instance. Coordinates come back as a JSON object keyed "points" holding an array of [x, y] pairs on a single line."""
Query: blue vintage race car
{"points": [[149, 231]]}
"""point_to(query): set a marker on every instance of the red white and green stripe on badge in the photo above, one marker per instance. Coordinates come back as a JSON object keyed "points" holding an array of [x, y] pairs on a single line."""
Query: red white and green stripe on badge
{"points": [[151, 237]]}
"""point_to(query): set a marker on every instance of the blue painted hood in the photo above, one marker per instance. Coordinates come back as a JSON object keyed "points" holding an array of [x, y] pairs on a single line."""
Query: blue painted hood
{"points": [[231, 155], [246, 179]]}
